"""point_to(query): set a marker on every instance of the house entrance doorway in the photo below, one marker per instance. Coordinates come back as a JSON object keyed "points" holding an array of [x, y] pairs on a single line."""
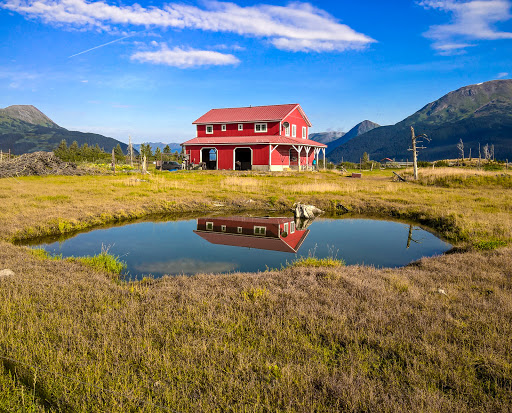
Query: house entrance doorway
{"points": [[243, 159], [209, 157]]}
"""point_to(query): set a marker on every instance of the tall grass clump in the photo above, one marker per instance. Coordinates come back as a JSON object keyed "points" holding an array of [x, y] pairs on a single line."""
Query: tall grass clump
{"points": [[102, 262]]}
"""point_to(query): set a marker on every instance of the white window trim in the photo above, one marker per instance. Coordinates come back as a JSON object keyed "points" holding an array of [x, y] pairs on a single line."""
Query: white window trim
{"points": [[209, 226], [292, 227], [223, 128], [239, 230], [294, 131], [285, 227], [263, 127], [287, 130], [304, 136], [209, 126], [240, 126], [223, 228], [258, 230]]}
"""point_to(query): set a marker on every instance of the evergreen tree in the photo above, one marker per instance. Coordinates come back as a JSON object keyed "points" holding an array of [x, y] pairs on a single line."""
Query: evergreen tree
{"points": [[62, 150], [158, 152], [167, 149], [118, 152]]}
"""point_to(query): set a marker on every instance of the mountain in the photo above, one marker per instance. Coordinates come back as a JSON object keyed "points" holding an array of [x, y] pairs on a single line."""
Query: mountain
{"points": [[326, 137], [24, 128], [477, 114], [359, 129], [174, 146]]}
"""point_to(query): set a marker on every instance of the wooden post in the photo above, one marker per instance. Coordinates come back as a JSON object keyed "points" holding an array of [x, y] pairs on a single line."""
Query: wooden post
{"points": [[113, 161], [144, 166], [323, 152], [130, 148]]}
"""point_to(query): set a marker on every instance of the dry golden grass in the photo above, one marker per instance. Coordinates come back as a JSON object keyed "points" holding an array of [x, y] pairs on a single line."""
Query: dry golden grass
{"points": [[433, 336]]}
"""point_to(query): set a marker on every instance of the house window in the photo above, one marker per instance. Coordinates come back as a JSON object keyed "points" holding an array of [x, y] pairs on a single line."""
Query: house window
{"points": [[260, 127], [303, 132], [209, 226], [286, 228], [209, 129], [292, 227], [223, 228], [287, 129], [223, 128], [239, 230], [240, 126], [294, 131], [260, 230]]}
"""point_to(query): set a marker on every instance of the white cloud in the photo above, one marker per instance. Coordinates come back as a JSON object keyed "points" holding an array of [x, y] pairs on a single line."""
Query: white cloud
{"points": [[471, 20], [297, 26], [178, 57], [502, 75]]}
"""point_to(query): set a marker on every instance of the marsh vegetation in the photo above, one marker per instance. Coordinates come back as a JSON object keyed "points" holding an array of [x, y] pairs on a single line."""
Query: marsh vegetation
{"points": [[433, 336]]}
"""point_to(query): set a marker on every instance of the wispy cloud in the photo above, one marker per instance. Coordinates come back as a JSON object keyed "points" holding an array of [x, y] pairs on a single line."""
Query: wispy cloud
{"points": [[471, 20], [502, 75], [297, 26], [178, 57]]}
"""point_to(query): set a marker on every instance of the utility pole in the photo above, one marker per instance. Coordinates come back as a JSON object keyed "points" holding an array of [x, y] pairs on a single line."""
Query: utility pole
{"points": [[414, 150]]}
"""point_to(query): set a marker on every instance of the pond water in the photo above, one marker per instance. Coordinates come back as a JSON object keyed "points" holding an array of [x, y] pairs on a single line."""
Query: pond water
{"points": [[221, 244]]}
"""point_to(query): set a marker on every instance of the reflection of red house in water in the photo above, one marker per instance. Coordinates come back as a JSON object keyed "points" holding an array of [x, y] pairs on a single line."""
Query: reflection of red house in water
{"points": [[266, 233], [266, 138]]}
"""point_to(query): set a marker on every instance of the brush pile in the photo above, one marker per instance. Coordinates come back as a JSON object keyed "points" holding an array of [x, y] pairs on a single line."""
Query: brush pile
{"points": [[40, 164]]}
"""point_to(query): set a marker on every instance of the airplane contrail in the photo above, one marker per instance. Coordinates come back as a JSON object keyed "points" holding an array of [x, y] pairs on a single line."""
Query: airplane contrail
{"points": [[102, 45]]}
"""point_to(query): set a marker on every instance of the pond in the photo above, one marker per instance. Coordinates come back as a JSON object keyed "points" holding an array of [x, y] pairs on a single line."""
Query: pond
{"points": [[221, 244]]}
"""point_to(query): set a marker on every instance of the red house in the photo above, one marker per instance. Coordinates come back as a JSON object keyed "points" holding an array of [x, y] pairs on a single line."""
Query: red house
{"points": [[266, 233], [266, 138]]}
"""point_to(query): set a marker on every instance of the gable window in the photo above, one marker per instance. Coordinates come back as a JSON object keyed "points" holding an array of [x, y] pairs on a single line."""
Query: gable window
{"points": [[285, 228], [209, 226], [292, 227], [209, 129], [260, 230], [303, 132], [240, 126], [223, 128], [294, 131], [287, 129], [260, 127]]}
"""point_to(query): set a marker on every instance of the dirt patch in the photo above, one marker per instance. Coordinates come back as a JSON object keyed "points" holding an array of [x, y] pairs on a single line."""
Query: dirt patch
{"points": [[40, 164]]}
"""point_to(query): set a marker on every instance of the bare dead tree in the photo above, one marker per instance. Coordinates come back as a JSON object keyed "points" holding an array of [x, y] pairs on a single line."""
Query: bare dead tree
{"points": [[416, 140], [492, 152], [460, 147], [487, 152]]}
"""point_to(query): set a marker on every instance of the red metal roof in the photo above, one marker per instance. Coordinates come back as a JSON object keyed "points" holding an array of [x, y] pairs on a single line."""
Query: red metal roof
{"points": [[250, 114], [263, 140], [248, 241]]}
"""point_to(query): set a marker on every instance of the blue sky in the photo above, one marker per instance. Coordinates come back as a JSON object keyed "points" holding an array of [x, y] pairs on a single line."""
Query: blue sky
{"points": [[149, 69]]}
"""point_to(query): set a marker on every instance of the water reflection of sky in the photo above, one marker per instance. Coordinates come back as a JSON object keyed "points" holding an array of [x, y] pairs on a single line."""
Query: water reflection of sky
{"points": [[172, 247]]}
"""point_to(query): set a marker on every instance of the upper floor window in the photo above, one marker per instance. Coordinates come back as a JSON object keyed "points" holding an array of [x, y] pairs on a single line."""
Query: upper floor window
{"points": [[260, 230], [294, 131], [304, 132], [209, 129], [292, 227], [209, 226], [223, 128], [240, 126], [260, 127], [287, 129]]}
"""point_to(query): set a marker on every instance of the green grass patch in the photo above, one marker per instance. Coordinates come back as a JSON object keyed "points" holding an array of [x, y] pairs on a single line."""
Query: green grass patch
{"points": [[489, 244], [317, 262], [102, 262]]}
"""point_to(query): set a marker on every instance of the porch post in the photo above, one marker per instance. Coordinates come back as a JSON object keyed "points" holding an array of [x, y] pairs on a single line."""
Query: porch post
{"points": [[307, 148], [316, 157], [323, 151], [270, 157]]}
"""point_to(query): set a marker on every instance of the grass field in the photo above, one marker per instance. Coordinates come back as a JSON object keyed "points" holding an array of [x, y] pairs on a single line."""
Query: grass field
{"points": [[433, 336]]}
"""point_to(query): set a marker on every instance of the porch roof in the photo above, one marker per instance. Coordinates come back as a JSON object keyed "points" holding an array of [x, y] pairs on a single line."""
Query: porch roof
{"points": [[255, 140]]}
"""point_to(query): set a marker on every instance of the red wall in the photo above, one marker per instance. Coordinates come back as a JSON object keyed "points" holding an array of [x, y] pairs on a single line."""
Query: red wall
{"points": [[295, 118], [225, 154], [232, 130]]}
